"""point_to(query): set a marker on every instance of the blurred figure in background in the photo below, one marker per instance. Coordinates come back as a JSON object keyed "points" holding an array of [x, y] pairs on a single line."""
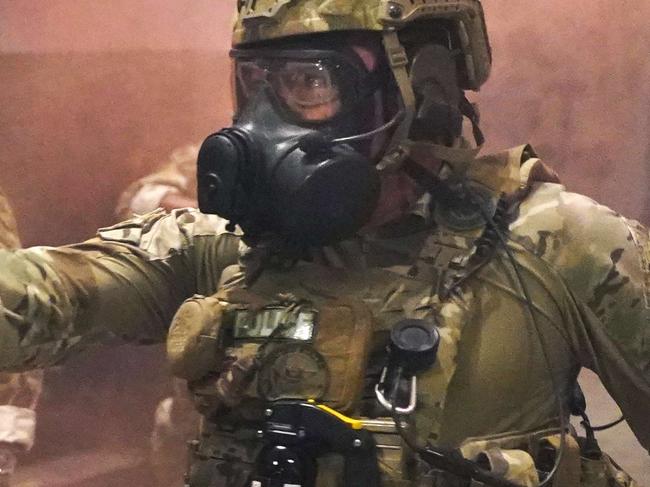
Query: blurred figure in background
{"points": [[172, 186], [176, 419], [19, 393]]}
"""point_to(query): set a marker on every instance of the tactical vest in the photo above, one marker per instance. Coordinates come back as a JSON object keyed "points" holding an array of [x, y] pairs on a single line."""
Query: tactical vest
{"points": [[318, 331], [339, 320]]}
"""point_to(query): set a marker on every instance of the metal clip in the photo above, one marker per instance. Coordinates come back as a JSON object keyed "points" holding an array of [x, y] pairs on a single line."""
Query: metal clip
{"points": [[379, 393]]}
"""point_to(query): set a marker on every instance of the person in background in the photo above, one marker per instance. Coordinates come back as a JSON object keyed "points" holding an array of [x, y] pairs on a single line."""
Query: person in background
{"points": [[19, 393], [375, 303], [171, 186], [176, 420]]}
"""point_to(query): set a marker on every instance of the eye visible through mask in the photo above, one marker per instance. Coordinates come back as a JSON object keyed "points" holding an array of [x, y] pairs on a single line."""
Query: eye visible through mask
{"points": [[310, 86]]}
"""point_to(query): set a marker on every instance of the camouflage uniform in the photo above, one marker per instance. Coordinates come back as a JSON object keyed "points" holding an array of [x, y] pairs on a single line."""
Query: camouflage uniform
{"points": [[19, 393], [491, 392], [586, 267]]}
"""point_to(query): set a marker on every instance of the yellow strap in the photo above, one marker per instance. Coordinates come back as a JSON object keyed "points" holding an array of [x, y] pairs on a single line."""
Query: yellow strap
{"points": [[355, 424]]}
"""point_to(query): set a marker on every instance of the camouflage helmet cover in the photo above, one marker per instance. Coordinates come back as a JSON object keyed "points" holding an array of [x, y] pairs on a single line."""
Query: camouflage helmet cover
{"points": [[262, 20]]}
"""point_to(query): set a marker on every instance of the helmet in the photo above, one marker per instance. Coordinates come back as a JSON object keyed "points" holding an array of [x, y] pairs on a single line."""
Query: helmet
{"points": [[264, 20], [305, 116]]}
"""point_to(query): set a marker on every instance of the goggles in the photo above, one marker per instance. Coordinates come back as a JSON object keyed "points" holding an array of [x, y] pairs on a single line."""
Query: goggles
{"points": [[311, 86]]}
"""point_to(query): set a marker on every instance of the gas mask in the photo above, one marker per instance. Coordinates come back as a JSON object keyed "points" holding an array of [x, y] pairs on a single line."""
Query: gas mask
{"points": [[291, 165]]}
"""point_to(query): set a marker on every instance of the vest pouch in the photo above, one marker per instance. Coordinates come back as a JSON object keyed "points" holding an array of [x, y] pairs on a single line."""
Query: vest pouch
{"points": [[193, 348], [577, 469], [568, 472], [520, 457], [604, 472], [307, 348]]}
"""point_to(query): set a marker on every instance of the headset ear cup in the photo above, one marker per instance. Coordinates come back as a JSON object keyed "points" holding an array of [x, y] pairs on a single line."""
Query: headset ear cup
{"points": [[434, 79]]}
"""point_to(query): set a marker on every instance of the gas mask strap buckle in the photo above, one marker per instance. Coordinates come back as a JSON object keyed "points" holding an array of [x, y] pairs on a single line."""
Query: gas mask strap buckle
{"points": [[458, 158], [398, 64]]}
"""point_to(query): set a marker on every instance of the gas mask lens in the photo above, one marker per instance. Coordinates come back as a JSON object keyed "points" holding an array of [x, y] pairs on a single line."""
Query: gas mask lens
{"points": [[309, 90], [311, 86]]}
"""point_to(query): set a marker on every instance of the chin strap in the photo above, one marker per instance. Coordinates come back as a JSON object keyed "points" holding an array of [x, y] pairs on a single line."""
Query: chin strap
{"points": [[398, 62], [469, 110]]}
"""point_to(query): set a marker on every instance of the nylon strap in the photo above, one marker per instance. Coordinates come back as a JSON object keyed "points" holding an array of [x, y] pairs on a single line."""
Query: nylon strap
{"points": [[398, 64], [459, 158]]}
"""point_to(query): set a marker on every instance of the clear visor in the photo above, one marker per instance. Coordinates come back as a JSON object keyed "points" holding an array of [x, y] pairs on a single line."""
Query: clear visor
{"points": [[311, 90]]}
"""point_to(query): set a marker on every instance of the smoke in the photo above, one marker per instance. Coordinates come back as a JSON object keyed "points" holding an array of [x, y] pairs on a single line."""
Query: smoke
{"points": [[97, 94], [56, 26], [573, 79]]}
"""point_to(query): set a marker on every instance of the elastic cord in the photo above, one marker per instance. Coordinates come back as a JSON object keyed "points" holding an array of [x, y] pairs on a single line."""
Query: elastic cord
{"points": [[606, 426], [367, 135]]}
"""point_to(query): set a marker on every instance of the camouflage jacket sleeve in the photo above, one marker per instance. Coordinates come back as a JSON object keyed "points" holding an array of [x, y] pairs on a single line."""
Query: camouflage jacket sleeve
{"points": [[178, 175], [604, 260], [125, 283]]}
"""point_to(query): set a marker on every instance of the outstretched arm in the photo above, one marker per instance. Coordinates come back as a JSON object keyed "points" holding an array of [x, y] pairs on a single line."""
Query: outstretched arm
{"points": [[126, 283]]}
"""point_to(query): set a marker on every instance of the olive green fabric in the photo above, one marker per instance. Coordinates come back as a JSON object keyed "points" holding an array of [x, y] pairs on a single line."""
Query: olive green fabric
{"points": [[192, 347], [264, 20], [323, 366], [586, 268]]}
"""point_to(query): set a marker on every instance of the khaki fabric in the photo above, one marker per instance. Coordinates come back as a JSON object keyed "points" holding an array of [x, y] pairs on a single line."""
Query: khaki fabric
{"points": [[177, 175], [587, 270], [192, 349], [8, 229]]}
